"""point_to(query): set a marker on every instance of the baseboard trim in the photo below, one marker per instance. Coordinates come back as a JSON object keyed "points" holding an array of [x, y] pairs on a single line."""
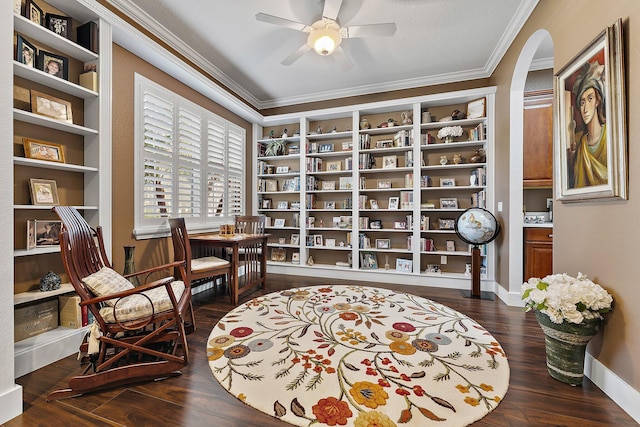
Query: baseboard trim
{"points": [[10, 403], [613, 386]]}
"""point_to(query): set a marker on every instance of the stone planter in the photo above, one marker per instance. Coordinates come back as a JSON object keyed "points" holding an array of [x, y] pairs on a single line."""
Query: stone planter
{"points": [[566, 344]]}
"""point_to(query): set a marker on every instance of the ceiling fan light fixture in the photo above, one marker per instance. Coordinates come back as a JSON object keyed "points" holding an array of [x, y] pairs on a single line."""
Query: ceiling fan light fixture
{"points": [[324, 40]]}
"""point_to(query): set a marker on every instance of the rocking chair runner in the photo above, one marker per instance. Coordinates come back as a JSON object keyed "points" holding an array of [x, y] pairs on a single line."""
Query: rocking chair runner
{"points": [[142, 333]]}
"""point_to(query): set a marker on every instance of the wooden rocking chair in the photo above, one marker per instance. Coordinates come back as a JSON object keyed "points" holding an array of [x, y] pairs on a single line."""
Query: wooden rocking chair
{"points": [[139, 332]]}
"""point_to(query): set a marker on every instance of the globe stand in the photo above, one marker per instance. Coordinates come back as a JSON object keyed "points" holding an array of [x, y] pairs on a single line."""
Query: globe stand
{"points": [[475, 278]]}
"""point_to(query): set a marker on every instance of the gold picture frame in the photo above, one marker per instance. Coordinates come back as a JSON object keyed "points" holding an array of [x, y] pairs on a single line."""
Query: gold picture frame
{"points": [[50, 106], [43, 150], [586, 167], [44, 192], [477, 108]]}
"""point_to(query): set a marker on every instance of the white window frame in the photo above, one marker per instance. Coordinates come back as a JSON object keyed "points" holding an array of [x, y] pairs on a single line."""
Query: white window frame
{"points": [[213, 134]]}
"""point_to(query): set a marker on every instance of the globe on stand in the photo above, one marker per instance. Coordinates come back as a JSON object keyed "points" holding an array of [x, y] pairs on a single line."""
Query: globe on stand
{"points": [[477, 226]]}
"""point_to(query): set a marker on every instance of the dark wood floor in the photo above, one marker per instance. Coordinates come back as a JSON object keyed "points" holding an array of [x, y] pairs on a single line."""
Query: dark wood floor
{"points": [[196, 399]]}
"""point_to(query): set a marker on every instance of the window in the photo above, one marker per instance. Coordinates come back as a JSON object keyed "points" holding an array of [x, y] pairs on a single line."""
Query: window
{"points": [[189, 163]]}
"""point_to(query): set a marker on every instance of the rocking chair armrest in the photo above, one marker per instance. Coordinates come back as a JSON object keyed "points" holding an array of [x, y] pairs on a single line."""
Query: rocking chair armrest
{"points": [[166, 281], [167, 266]]}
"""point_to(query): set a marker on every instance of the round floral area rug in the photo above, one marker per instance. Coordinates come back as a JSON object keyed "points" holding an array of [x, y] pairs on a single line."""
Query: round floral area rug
{"points": [[358, 356]]}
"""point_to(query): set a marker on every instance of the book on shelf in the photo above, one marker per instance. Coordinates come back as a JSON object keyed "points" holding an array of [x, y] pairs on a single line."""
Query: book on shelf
{"points": [[346, 183], [408, 158], [366, 161], [312, 183], [310, 201], [347, 203], [478, 177], [365, 142], [314, 164], [363, 222], [363, 183], [479, 199], [408, 180], [348, 164], [424, 222], [428, 139], [406, 200], [477, 133], [87, 36], [403, 138], [362, 201]]}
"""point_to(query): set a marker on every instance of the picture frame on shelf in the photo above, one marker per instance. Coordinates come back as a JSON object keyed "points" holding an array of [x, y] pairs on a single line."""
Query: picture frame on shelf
{"points": [[404, 265], [283, 204], [295, 239], [282, 241], [44, 192], [477, 108], [282, 169], [589, 168], [31, 234], [326, 148], [266, 203], [448, 203], [399, 225], [295, 205], [447, 182], [33, 12], [42, 150], [334, 166], [59, 24], [383, 243], [317, 240], [50, 106], [394, 202], [375, 224], [389, 162], [271, 185], [278, 222], [373, 203], [433, 268], [330, 205], [347, 146], [47, 233], [446, 223], [278, 254], [383, 184], [53, 64], [368, 260], [330, 243], [328, 185], [451, 246], [26, 53]]}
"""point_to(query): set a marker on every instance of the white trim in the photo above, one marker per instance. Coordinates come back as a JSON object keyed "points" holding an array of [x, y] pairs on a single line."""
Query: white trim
{"points": [[10, 403], [613, 386]]}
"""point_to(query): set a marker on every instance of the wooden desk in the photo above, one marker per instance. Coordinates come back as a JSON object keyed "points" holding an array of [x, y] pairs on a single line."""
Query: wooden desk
{"points": [[254, 247]]}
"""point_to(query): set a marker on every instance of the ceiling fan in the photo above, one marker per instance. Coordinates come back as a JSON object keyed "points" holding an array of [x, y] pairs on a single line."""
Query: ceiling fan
{"points": [[325, 35]]}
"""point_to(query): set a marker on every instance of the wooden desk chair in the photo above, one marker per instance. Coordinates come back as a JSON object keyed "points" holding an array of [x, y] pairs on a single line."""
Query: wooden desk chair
{"points": [[250, 224], [139, 333], [198, 270]]}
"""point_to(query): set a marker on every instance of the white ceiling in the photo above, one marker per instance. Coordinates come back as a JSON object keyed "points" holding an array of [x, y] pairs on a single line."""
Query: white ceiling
{"points": [[437, 41]]}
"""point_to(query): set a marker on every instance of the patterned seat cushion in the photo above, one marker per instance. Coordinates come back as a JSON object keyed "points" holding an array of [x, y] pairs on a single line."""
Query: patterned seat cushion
{"points": [[106, 282], [207, 263]]}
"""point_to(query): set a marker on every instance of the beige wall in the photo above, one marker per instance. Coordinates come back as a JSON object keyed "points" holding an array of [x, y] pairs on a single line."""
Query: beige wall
{"points": [[125, 64], [599, 239]]}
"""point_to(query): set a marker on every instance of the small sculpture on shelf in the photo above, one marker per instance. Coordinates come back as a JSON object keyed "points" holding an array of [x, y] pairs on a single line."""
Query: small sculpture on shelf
{"points": [[285, 134], [364, 123], [50, 282], [479, 156], [443, 160], [275, 147], [457, 158], [406, 117]]}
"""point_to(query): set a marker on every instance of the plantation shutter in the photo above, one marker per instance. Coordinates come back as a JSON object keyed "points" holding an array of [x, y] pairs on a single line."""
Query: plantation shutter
{"points": [[216, 206], [189, 164], [235, 170]]}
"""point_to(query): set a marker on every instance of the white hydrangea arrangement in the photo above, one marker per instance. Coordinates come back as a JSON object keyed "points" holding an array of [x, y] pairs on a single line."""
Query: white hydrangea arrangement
{"points": [[565, 298], [450, 131]]}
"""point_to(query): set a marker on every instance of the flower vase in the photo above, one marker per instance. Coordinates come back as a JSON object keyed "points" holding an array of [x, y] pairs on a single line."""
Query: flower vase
{"points": [[129, 265], [565, 345], [448, 139]]}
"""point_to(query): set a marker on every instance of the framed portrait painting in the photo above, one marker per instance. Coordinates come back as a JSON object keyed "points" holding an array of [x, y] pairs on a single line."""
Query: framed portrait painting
{"points": [[590, 128]]}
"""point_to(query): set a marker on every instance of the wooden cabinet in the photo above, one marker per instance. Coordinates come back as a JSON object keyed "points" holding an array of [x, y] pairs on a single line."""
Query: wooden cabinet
{"points": [[538, 139], [538, 252]]}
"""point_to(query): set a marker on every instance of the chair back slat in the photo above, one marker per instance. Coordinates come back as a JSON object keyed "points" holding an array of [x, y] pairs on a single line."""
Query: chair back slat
{"points": [[250, 224], [181, 244]]}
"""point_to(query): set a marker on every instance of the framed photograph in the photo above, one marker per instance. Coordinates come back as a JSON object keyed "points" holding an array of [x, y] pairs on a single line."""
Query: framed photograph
{"points": [[404, 265], [328, 185], [376, 224], [389, 162], [50, 106], [330, 243], [393, 202], [374, 204], [591, 134], [47, 233], [384, 184], [266, 203], [278, 254], [330, 205], [446, 223], [271, 185], [43, 192], [334, 166], [41, 150], [433, 268], [295, 205], [447, 182], [383, 243], [31, 234], [283, 204], [399, 225], [61, 25], [282, 241], [448, 203], [33, 12], [295, 239], [282, 169], [368, 260], [451, 246], [326, 148], [53, 64], [279, 222], [317, 240], [347, 146], [26, 53], [477, 108]]}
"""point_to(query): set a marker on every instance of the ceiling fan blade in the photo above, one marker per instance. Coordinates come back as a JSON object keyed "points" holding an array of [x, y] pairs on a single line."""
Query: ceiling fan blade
{"points": [[270, 19], [342, 59], [331, 9], [297, 54], [379, 30]]}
